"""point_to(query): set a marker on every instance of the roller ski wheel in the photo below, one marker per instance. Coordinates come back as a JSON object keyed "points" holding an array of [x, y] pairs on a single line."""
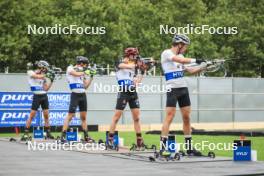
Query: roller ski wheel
{"points": [[177, 156], [152, 159], [12, 140], [100, 141], [182, 153], [61, 140], [211, 154], [133, 147], [88, 140], [49, 136], [194, 153], [156, 154], [153, 147]]}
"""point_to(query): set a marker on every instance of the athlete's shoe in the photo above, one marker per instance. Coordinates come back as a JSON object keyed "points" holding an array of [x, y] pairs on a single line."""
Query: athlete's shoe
{"points": [[25, 137], [194, 152], [63, 137], [49, 136], [140, 144], [165, 153], [88, 139]]}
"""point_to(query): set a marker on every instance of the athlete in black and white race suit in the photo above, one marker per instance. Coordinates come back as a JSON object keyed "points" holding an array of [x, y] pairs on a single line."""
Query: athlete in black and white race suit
{"points": [[172, 61], [39, 85], [78, 83], [128, 80]]}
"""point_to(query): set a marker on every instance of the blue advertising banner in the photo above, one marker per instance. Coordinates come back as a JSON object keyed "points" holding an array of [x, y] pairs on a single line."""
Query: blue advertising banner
{"points": [[12, 118], [15, 100], [59, 101], [15, 108], [23, 100], [57, 117]]}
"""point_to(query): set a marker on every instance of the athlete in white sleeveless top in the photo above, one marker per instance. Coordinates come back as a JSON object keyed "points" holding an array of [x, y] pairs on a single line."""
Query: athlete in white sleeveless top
{"points": [[173, 61], [78, 83], [39, 85], [127, 79]]}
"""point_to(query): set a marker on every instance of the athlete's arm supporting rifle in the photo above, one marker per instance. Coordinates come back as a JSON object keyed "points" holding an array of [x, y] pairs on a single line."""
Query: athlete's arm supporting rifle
{"points": [[126, 66], [76, 73], [47, 85], [38, 76], [138, 79], [197, 69], [87, 82], [184, 60]]}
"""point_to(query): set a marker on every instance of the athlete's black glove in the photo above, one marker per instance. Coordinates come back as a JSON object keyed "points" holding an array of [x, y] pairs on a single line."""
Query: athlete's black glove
{"points": [[90, 72], [199, 61], [51, 75]]}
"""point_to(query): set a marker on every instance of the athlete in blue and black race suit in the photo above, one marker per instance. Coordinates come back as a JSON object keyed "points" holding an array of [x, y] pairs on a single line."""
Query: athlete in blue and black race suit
{"points": [[39, 85], [128, 79], [172, 61], [78, 83]]}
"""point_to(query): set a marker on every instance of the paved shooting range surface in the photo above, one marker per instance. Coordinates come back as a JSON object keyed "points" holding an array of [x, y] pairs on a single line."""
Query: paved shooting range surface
{"points": [[17, 160]]}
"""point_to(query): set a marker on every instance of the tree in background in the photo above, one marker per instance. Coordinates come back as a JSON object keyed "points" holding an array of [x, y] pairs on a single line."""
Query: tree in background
{"points": [[131, 23]]}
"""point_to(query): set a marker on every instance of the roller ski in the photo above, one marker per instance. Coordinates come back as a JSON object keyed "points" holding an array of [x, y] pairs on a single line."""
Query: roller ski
{"points": [[140, 146], [196, 153], [164, 155], [87, 139], [25, 138], [49, 136], [167, 152], [62, 139]]}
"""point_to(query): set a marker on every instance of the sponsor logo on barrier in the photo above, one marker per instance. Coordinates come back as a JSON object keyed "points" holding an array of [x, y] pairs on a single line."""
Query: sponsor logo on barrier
{"points": [[57, 118], [14, 115], [16, 118], [15, 97], [23, 100]]}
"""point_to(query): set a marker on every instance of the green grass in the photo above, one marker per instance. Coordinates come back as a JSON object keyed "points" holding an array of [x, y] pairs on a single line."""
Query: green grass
{"points": [[129, 138]]}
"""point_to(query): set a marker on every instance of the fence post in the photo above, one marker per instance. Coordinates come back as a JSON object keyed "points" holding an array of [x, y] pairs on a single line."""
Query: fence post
{"points": [[198, 99], [233, 102], [108, 69], [161, 101]]}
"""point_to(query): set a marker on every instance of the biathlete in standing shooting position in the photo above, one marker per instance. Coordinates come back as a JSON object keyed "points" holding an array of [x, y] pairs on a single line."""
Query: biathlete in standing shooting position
{"points": [[39, 85], [128, 79], [172, 61], [78, 82]]}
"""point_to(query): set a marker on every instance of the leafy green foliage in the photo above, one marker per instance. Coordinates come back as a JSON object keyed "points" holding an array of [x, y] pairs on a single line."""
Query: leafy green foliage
{"points": [[131, 23]]}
